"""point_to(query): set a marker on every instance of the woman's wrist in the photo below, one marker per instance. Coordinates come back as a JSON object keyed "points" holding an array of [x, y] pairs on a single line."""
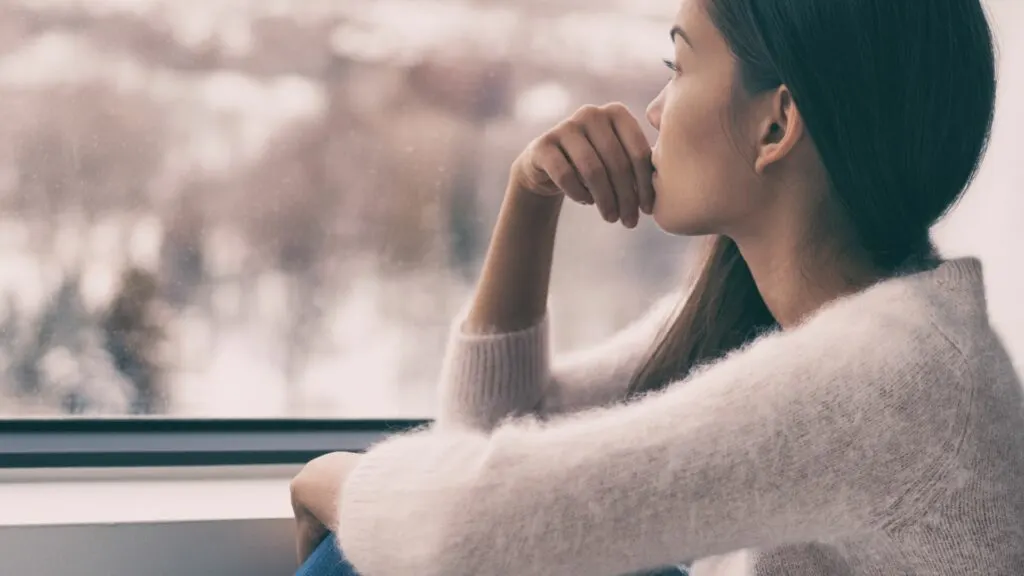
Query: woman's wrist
{"points": [[520, 198]]}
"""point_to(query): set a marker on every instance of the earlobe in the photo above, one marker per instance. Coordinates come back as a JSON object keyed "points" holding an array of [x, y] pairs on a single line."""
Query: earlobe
{"points": [[772, 135]]}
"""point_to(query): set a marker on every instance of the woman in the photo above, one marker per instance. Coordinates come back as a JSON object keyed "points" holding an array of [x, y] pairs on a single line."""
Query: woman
{"points": [[830, 397]]}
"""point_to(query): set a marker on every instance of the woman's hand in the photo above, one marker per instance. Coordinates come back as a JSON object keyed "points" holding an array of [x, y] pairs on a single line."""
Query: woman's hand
{"points": [[598, 156], [316, 494]]}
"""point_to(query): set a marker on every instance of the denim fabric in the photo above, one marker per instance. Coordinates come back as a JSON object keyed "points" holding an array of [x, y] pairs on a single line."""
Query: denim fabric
{"points": [[326, 560]]}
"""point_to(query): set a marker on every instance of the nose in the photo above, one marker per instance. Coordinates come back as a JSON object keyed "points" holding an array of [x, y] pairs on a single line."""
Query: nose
{"points": [[654, 111]]}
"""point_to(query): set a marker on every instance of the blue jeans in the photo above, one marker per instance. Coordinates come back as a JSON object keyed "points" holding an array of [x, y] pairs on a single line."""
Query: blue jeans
{"points": [[326, 560]]}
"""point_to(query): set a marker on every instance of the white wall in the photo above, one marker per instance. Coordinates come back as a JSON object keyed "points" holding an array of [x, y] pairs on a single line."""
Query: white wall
{"points": [[989, 223]]}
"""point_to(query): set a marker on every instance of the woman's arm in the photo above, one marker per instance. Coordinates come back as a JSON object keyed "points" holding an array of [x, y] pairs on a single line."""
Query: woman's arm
{"points": [[488, 377], [804, 435], [314, 493], [512, 292], [497, 356], [498, 361]]}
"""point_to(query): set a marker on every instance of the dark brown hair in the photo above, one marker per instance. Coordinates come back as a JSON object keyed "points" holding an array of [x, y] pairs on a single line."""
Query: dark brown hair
{"points": [[898, 96]]}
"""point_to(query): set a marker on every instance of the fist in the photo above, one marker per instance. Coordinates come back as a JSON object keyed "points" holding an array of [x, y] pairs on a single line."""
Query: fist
{"points": [[599, 156]]}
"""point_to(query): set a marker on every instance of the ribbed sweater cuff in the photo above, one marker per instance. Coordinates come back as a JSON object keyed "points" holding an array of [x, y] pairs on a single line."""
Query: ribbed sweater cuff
{"points": [[489, 377]]}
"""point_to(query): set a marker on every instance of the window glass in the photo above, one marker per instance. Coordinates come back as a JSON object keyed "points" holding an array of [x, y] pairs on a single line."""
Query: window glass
{"points": [[274, 208]]}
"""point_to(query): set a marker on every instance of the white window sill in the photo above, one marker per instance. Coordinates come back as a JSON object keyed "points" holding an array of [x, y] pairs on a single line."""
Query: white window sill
{"points": [[58, 497], [155, 522]]}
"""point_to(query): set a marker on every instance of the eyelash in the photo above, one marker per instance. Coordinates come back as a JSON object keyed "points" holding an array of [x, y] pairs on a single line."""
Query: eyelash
{"points": [[671, 65]]}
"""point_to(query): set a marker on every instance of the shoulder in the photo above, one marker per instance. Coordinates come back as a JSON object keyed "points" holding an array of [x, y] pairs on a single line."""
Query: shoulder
{"points": [[897, 348], [914, 339], [938, 314]]}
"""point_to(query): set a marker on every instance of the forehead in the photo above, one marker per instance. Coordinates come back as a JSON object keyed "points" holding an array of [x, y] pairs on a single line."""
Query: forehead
{"points": [[692, 17], [688, 7]]}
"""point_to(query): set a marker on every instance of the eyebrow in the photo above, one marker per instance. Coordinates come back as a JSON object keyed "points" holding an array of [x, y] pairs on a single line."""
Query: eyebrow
{"points": [[678, 31]]}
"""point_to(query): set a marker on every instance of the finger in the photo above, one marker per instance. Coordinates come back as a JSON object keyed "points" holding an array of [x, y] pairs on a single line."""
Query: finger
{"points": [[591, 170], [618, 166], [551, 159], [638, 149]]}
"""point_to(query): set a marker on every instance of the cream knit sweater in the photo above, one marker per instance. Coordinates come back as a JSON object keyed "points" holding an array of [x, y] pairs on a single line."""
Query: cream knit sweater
{"points": [[883, 436]]}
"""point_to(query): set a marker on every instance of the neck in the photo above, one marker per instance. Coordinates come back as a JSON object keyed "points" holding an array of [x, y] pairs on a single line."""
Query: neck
{"points": [[794, 285]]}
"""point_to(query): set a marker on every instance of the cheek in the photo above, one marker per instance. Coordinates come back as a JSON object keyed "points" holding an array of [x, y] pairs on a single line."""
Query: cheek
{"points": [[700, 171], [694, 134]]}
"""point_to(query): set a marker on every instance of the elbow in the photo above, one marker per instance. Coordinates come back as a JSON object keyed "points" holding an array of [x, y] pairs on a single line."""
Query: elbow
{"points": [[405, 535], [412, 505], [412, 549]]}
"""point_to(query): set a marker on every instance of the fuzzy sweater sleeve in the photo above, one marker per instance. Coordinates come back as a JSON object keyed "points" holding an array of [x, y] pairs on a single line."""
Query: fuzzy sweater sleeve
{"points": [[487, 378], [805, 435]]}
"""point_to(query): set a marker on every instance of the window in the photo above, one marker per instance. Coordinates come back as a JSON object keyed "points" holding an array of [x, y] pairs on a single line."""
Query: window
{"points": [[273, 209]]}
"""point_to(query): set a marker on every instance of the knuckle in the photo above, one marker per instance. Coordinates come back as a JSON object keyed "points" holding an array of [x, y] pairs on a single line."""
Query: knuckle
{"points": [[586, 113], [617, 109], [545, 142], [590, 170], [641, 163], [542, 150], [622, 166], [561, 174], [573, 125]]}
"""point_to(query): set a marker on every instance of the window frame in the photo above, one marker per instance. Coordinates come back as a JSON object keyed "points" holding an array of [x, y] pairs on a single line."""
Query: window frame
{"points": [[169, 442]]}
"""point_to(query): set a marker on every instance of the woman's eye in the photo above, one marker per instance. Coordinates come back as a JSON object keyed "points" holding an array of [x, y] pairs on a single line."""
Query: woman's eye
{"points": [[671, 65]]}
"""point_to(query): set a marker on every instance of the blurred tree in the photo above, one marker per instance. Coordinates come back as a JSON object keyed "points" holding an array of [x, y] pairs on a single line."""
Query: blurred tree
{"points": [[182, 257], [479, 92], [89, 148], [288, 219], [133, 327], [56, 359]]}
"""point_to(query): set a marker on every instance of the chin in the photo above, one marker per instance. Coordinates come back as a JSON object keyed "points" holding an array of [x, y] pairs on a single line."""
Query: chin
{"points": [[681, 212], [681, 222]]}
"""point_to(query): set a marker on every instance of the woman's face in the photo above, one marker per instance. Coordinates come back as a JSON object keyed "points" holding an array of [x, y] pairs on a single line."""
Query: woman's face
{"points": [[705, 181]]}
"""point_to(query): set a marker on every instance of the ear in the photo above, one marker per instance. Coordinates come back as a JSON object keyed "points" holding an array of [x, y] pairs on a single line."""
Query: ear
{"points": [[781, 129]]}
